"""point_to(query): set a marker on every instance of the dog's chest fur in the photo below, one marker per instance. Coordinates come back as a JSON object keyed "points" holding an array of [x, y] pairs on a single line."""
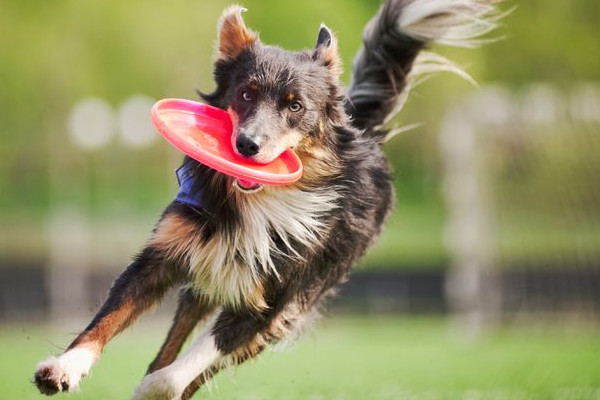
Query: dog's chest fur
{"points": [[228, 266]]}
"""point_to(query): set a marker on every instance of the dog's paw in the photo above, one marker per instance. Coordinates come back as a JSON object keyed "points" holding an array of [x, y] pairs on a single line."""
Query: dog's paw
{"points": [[159, 385], [63, 373], [49, 377]]}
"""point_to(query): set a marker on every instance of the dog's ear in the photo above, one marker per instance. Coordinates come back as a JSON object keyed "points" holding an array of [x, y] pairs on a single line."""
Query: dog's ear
{"points": [[233, 34], [326, 51]]}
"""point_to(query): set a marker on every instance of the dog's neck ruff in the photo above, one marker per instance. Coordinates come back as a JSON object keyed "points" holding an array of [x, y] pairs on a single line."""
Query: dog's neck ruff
{"points": [[274, 222], [227, 267], [188, 194]]}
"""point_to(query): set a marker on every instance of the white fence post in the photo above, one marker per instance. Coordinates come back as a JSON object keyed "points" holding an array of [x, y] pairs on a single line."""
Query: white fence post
{"points": [[472, 287], [70, 262]]}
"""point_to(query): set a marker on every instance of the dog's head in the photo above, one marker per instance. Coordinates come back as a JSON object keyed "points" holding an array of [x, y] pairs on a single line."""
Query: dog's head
{"points": [[277, 99]]}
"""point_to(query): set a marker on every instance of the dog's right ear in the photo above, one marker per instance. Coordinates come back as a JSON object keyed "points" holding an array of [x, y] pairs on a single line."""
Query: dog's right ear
{"points": [[233, 34], [326, 51]]}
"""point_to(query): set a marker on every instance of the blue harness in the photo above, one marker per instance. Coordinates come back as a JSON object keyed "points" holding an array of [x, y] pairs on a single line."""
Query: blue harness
{"points": [[188, 194]]}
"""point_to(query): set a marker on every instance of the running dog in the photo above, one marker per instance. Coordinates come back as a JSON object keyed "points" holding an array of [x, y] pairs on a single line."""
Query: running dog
{"points": [[255, 263]]}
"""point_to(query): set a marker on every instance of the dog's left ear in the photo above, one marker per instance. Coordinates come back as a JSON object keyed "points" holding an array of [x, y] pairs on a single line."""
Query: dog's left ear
{"points": [[233, 34], [326, 51]]}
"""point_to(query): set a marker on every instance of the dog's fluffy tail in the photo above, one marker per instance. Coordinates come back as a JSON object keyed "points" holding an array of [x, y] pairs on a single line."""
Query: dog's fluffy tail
{"points": [[392, 53]]}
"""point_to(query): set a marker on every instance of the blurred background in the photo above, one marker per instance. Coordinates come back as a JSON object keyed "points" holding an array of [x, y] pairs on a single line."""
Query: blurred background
{"points": [[486, 283]]}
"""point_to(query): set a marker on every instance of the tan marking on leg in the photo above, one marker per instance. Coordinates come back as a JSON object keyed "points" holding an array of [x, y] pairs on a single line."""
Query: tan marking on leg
{"points": [[109, 326]]}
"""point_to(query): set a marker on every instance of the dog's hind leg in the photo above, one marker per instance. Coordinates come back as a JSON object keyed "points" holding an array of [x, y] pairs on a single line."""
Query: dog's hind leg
{"points": [[209, 373], [282, 326], [169, 383], [231, 338], [191, 309], [143, 283]]}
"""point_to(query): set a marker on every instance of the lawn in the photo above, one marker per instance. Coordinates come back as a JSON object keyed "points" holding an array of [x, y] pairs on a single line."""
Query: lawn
{"points": [[348, 359]]}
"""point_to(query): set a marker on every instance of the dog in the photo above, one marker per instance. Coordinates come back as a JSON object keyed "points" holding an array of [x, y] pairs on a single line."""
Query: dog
{"points": [[255, 263]]}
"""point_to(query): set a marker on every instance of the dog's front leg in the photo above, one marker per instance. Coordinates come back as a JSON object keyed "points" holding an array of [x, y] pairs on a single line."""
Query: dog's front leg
{"points": [[143, 283]]}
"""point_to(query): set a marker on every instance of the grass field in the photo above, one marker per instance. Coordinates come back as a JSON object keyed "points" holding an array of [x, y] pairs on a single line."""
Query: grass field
{"points": [[348, 359]]}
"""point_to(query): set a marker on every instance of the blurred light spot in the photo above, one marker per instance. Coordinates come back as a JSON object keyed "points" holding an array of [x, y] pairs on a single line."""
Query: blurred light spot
{"points": [[542, 104], [585, 103], [69, 236], [91, 123], [135, 127], [491, 105]]}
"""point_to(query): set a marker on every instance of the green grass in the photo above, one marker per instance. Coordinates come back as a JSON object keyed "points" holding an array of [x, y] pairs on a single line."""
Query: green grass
{"points": [[347, 359]]}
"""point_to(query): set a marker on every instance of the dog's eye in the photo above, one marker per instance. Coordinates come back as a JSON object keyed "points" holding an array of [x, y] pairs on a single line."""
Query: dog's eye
{"points": [[246, 96], [295, 106]]}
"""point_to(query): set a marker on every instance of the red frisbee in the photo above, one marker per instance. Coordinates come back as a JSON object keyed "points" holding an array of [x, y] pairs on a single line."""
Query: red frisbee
{"points": [[204, 133]]}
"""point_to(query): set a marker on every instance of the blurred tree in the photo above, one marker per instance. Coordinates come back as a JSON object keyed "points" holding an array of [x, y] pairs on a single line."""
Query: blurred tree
{"points": [[53, 54]]}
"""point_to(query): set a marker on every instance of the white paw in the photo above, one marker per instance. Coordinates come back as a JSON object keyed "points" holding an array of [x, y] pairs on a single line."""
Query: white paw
{"points": [[159, 385], [63, 373]]}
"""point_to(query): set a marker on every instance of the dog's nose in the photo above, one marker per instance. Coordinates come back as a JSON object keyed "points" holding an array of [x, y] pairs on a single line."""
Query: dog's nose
{"points": [[247, 146]]}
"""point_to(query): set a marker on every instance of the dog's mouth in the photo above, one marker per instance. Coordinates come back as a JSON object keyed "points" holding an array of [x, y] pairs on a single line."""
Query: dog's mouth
{"points": [[247, 187]]}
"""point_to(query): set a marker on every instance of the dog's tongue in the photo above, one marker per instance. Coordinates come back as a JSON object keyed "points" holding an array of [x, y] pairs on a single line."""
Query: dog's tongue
{"points": [[248, 185]]}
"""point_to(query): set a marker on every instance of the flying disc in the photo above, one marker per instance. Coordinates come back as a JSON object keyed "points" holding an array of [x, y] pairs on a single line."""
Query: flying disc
{"points": [[204, 133]]}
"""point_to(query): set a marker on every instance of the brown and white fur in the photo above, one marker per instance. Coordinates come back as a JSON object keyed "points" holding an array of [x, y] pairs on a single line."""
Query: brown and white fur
{"points": [[255, 263]]}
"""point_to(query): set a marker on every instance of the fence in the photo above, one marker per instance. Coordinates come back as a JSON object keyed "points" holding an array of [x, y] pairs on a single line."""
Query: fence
{"points": [[521, 179], [522, 187]]}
